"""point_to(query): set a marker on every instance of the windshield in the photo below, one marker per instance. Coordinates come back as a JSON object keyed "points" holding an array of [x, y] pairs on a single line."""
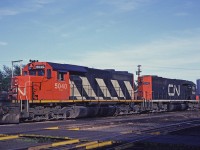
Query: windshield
{"points": [[39, 72]]}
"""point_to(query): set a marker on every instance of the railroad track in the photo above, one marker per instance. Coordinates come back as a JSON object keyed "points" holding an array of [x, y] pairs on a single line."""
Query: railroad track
{"points": [[162, 130], [94, 133]]}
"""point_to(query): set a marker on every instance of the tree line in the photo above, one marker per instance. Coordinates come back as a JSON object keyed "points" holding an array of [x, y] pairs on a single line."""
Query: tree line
{"points": [[6, 75]]}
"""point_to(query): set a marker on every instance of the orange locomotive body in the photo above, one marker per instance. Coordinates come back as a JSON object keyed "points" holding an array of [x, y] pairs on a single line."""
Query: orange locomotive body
{"points": [[47, 90], [39, 81], [145, 87]]}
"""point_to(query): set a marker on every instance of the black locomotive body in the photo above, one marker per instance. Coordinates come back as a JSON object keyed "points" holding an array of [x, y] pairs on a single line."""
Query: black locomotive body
{"points": [[173, 89]]}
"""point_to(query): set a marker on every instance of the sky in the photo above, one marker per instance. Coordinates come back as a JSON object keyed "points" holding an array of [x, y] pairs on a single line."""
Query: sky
{"points": [[161, 35]]}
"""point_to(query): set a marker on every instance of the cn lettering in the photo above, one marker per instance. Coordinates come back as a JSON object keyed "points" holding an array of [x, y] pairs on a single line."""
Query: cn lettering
{"points": [[173, 90]]}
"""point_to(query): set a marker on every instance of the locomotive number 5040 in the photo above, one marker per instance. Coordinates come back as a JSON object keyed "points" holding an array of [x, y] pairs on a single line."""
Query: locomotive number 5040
{"points": [[60, 86]]}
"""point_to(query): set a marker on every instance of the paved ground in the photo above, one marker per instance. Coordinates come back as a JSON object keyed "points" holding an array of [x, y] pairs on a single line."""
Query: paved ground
{"points": [[161, 130]]}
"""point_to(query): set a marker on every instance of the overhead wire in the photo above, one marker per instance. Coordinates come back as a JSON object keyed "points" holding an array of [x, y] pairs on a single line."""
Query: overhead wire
{"points": [[166, 67]]}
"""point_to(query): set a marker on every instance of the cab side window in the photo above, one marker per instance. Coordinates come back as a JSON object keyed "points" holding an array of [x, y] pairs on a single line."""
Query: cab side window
{"points": [[32, 72], [40, 72], [61, 76], [48, 73], [25, 73]]}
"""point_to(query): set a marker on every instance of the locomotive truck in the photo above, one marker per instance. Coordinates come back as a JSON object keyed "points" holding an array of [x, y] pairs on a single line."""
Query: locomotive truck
{"points": [[48, 91]]}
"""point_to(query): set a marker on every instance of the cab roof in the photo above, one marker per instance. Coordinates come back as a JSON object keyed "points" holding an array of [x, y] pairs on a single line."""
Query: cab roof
{"points": [[67, 67]]}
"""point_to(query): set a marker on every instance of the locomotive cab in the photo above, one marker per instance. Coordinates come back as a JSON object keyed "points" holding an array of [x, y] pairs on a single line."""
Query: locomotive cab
{"points": [[39, 81]]}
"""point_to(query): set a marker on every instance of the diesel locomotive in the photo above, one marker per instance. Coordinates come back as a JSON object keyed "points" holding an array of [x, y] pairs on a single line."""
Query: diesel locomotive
{"points": [[48, 91]]}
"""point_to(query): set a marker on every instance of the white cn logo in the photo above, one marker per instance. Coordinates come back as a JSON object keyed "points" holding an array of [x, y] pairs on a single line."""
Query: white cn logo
{"points": [[173, 90]]}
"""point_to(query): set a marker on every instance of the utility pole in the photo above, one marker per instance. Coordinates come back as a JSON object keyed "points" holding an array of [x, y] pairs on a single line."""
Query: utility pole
{"points": [[139, 70], [138, 82], [16, 61], [13, 66]]}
